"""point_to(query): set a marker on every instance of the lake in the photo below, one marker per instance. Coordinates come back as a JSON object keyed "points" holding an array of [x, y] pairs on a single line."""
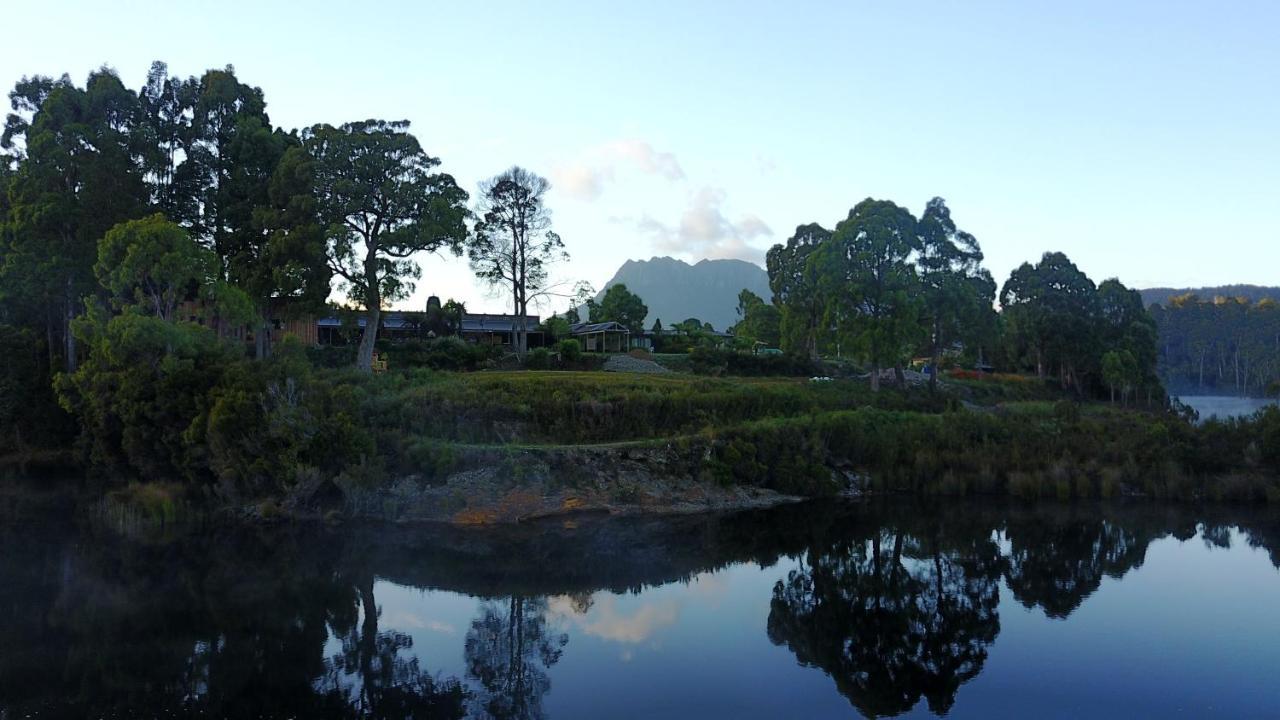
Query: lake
{"points": [[1224, 406], [820, 610]]}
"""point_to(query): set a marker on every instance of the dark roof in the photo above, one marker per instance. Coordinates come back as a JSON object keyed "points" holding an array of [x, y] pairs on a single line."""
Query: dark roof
{"points": [[471, 322], [495, 323], [585, 328]]}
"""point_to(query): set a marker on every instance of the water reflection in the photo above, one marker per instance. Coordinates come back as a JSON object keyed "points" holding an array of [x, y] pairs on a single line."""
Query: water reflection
{"points": [[896, 603], [509, 649], [894, 613]]}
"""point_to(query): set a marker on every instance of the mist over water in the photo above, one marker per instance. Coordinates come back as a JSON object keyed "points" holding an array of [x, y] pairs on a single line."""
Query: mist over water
{"points": [[822, 610], [1224, 406]]}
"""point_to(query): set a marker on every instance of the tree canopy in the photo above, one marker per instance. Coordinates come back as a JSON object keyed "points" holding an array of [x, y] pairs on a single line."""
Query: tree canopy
{"points": [[622, 306], [513, 243], [381, 202]]}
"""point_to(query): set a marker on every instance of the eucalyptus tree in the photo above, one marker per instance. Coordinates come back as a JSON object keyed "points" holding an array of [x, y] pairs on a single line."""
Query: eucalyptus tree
{"points": [[1052, 311], [958, 293], [1129, 332], [514, 244], [280, 256], [620, 305], [78, 174], [869, 288], [795, 289], [381, 202], [758, 320], [168, 108]]}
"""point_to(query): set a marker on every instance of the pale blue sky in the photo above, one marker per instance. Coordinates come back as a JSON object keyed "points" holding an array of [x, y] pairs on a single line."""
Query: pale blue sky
{"points": [[1141, 138]]}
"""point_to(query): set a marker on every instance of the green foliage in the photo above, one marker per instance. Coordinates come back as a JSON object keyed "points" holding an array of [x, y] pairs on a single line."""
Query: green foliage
{"points": [[513, 244], [622, 306], [140, 391], [381, 202], [447, 353], [1221, 345], [152, 264], [538, 359], [555, 328], [957, 293], [870, 290], [759, 321], [706, 360], [570, 351], [794, 283]]}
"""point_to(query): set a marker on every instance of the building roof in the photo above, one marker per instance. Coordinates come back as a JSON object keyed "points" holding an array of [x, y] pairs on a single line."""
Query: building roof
{"points": [[496, 323], [583, 328], [471, 322]]}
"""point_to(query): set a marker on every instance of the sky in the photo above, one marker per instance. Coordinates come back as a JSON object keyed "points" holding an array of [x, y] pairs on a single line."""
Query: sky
{"points": [[1140, 138]]}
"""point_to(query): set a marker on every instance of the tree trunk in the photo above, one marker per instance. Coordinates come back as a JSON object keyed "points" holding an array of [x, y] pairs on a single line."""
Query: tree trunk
{"points": [[372, 309], [1040, 364], [364, 359], [262, 339], [934, 360], [66, 327], [368, 641], [899, 375], [875, 378]]}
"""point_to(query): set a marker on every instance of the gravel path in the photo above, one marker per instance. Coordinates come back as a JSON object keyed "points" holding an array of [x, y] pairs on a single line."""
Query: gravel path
{"points": [[626, 363]]}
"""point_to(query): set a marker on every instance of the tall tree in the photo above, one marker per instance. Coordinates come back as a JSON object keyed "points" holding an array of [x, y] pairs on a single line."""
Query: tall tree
{"points": [[280, 258], [622, 306], [513, 242], [758, 320], [168, 105], [1052, 311], [869, 288], [381, 203], [958, 293], [78, 176], [795, 289]]}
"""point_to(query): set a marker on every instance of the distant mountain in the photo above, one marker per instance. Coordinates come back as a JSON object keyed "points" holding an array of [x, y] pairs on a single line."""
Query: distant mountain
{"points": [[674, 290], [1253, 293]]}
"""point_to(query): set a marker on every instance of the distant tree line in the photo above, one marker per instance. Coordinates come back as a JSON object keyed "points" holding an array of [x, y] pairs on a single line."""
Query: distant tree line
{"points": [[884, 286], [1223, 345]]}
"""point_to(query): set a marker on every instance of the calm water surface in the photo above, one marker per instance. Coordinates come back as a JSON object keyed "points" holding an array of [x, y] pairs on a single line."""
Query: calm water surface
{"points": [[1224, 406], [814, 611]]}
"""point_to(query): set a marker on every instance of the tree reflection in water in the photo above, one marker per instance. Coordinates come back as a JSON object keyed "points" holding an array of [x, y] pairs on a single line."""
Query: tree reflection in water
{"points": [[509, 650], [893, 617], [897, 603], [390, 685]]}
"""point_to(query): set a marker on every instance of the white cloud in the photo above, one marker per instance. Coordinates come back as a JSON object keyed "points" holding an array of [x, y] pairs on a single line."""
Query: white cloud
{"points": [[606, 620], [704, 231], [586, 177]]}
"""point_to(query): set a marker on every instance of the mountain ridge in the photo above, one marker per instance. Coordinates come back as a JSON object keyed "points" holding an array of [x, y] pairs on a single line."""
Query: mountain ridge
{"points": [[675, 290]]}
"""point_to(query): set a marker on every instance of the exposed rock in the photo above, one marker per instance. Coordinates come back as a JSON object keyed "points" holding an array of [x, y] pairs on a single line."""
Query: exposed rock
{"points": [[503, 486], [626, 363]]}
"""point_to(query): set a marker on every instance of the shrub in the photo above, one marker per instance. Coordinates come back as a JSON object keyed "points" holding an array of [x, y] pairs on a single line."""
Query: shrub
{"points": [[570, 351], [705, 360], [447, 353], [538, 359]]}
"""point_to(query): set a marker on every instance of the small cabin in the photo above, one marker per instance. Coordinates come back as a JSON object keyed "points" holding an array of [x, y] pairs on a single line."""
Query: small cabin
{"points": [[606, 337]]}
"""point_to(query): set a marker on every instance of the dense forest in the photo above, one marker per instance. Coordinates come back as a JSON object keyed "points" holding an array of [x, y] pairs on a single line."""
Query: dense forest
{"points": [[1223, 345]]}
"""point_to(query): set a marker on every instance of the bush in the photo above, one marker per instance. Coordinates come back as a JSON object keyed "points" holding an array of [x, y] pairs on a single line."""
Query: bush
{"points": [[447, 353], [705, 360], [570, 351], [538, 359]]}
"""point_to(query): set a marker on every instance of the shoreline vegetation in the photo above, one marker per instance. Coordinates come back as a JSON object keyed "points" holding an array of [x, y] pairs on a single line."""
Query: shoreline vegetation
{"points": [[506, 446], [154, 243]]}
